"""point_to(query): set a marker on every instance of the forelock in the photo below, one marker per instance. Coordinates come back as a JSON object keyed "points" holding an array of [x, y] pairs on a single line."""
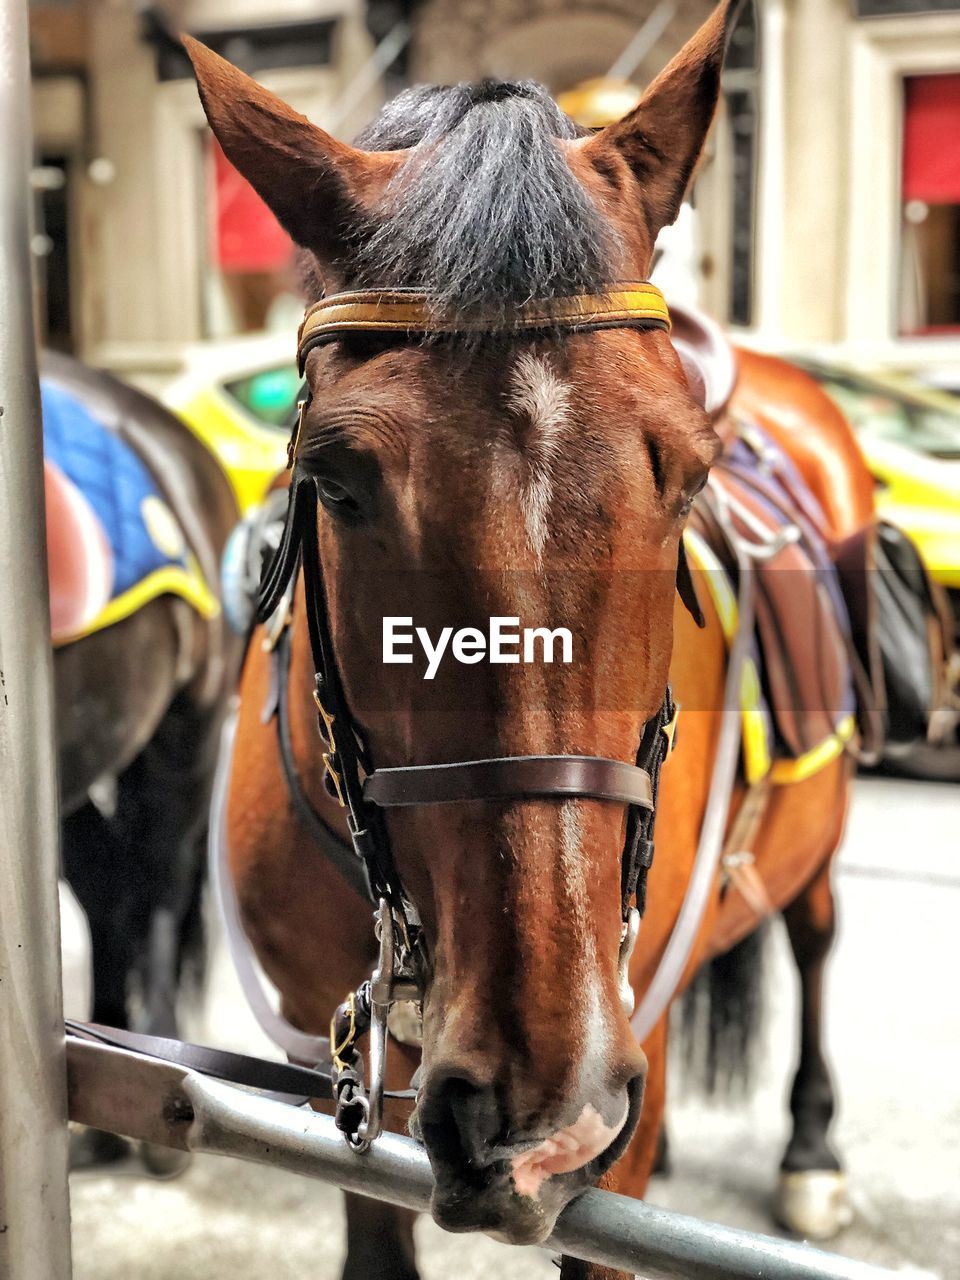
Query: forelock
{"points": [[486, 214]]}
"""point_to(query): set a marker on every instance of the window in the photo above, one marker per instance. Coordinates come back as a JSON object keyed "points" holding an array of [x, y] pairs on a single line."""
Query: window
{"points": [[930, 226], [52, 249], [740, 92], [249, 281], [270, 395], [253, 49]]}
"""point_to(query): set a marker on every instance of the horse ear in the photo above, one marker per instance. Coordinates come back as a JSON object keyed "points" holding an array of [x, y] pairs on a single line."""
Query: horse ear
{"points": [[320, 190], [662, 137]]}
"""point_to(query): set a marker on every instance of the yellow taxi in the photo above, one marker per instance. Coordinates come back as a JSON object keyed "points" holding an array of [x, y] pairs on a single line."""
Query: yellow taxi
{"points": [[910, 435], [240, 398]]}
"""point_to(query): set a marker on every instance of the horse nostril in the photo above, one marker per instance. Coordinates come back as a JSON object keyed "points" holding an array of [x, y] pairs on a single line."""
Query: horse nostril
{"points": [[460, 1118]]}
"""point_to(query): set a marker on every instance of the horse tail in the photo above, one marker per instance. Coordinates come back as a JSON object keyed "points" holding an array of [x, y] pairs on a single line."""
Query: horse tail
{"points": [[721, 1018]]}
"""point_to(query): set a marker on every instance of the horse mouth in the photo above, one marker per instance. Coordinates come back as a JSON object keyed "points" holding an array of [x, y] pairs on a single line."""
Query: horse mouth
{"points": [[565, 1151], [517, 1196]]}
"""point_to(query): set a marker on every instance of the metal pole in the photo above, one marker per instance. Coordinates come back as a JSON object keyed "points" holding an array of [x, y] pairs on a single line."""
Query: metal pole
{"points": [[652, 28], [389, 48], [34, 1206], [167, 1104]]}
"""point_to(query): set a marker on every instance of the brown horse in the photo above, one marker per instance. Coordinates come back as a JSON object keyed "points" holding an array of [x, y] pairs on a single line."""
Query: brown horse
{"points": [[547, 476]]}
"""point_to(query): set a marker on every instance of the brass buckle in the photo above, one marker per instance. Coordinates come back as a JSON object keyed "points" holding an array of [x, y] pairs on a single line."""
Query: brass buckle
{"points": [[293, 444], [327, 719], [326, 733], [669, 730], [334, 776], [337, 1050]]}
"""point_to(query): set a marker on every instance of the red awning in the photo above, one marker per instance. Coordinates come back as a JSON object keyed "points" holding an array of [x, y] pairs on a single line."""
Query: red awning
{"points": [[247, 235], [931, 139]]}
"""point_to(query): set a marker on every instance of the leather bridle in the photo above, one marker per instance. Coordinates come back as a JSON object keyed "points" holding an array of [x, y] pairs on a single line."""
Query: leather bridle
{"points": [[365, 791]]}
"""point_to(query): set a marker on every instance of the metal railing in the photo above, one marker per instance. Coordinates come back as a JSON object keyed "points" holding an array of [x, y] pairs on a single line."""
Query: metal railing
{"points": [[163, 1103], [34, 1213]]}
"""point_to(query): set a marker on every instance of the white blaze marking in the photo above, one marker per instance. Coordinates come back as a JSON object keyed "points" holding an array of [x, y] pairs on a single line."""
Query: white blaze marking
{"points": [[540, 395], [576, 871]]}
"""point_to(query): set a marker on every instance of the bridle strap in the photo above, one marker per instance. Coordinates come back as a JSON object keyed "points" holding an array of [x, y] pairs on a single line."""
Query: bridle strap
{"points": [[413, 312], [511, 778], [338, 851]]}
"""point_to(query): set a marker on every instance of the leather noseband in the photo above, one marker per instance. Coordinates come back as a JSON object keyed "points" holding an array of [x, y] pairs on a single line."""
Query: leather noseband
{"points": [[510, 778]]}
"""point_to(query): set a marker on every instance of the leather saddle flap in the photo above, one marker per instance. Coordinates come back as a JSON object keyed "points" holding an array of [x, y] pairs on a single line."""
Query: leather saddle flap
{"points": [[802, 625]]}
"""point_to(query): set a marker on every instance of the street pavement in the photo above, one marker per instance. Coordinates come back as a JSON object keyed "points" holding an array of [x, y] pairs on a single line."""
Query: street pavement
{"points": [[893, 1017]]}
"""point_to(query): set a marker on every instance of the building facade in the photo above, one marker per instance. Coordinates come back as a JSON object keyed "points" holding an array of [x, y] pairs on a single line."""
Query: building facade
{"points": [[145, 238], [859, 178], [827, 210]]}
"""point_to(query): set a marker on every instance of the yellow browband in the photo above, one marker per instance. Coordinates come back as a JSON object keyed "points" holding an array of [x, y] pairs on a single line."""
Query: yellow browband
{"points": [[410, 311]]}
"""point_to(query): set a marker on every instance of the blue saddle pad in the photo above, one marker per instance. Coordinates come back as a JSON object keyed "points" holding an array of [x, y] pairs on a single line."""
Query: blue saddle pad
{"points": [[140, 528], [151, 556]]}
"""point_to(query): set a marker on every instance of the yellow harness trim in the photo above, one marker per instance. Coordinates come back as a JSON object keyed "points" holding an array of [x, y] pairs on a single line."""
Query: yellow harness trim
{"points": [[816, 758], [171, 580], [757, 762], [411, 311]]}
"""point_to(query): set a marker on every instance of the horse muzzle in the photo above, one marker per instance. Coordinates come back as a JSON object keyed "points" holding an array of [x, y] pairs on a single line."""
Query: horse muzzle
{"points": [[490, 1178]]}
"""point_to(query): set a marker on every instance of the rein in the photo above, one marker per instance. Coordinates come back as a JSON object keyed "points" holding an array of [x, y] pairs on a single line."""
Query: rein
{"points": [[365, 791]]}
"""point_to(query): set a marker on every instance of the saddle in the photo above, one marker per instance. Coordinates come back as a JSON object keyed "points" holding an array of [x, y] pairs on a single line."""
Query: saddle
{"points": [[113, 542], [803, 646], [708, 358]]}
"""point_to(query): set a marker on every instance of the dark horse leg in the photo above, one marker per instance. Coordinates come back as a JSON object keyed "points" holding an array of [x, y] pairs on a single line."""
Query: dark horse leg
{"points": [[379, 1241], [138, 874], [94, 862], [812, 1197], [162, 812]]}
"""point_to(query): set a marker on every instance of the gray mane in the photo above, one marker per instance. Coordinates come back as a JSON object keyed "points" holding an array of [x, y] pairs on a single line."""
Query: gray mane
{"points": [[486, 213]]}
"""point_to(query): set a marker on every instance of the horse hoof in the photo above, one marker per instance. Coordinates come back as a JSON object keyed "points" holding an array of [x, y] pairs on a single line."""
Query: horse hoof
{"points": [[814, 1203], [163, 1162]]}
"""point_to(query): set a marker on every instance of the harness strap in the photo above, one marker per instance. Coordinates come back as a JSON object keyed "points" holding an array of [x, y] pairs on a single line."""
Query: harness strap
{"points": [[294, 1042], [411, 312], [510, 778], [656, 743], [702, 882], [284, 1079], [339, 852]]}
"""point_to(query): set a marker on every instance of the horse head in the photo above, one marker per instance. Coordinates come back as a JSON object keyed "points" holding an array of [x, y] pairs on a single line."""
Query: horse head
{"points": [[543, 477]]}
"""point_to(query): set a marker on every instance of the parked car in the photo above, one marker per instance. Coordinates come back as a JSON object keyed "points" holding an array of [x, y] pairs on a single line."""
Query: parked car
{"points": [[239, 397], [910, 435]]}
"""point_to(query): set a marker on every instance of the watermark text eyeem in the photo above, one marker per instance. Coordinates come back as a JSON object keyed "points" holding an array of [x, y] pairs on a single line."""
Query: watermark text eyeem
{"points": [[505, 641]]}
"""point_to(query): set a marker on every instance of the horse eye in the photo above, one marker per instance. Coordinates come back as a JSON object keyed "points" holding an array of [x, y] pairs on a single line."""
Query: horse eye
{"points": [[690, 495], [338, 499]]}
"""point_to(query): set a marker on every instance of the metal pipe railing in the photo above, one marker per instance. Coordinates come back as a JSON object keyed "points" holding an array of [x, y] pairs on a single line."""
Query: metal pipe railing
{"points": [[34, 1207], [167, 1104]]}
